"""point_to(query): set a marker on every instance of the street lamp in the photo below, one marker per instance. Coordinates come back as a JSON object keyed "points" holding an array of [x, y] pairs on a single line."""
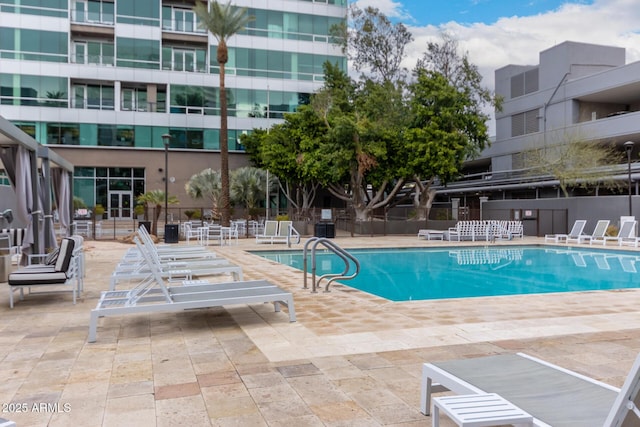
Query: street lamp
{"points": [[166, 138], [628, 147]]}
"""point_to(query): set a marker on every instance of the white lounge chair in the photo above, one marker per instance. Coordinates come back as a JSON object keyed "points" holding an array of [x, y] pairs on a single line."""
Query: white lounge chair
{"points": [[576, 231], [626, 234], [554, 396], [268, 233], [630, 238], [174, 270], [151, 295], [598, 233]]}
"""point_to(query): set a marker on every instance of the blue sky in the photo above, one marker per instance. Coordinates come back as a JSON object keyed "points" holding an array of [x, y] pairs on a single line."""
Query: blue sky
{"points": [[436, 12], [496, 33]]}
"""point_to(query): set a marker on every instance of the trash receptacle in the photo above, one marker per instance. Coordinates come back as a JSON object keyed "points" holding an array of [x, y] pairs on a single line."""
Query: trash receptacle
{"points": [[320, 230], [171, 233], [330, 230], [146, 225]]}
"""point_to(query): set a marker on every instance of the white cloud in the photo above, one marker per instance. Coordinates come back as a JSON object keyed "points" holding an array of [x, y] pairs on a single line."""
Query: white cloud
{"points": [[391, 9], [519, 40]]}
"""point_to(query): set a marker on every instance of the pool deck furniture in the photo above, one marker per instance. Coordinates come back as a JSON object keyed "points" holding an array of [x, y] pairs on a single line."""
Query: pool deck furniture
{"points": [[487, 230], [65, 270], [576, 231], [599, 232], [6, 423], [278, 232], [554, 396], [151, 295], [173, 271], [625, 234], [479, 410], [431, 234], [630, 239]]}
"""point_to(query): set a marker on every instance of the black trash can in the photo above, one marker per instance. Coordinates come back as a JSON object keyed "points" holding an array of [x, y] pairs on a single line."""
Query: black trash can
{"points": [[330, 230], [171, 234], [145, 224], [320, 230], [325, 229]]}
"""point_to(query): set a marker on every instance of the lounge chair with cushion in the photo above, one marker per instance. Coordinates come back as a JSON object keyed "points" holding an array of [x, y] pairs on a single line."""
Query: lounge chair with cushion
{"points": [[576, 232], [63, 268], [151, 295], [554, 396]]}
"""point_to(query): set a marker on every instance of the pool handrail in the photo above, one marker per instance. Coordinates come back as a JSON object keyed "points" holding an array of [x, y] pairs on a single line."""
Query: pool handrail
{"points": [[344, 255]]}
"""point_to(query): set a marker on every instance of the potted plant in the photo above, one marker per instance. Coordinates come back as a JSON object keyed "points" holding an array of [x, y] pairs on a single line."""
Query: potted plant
{"points": [[98, 211], [138, 210]]}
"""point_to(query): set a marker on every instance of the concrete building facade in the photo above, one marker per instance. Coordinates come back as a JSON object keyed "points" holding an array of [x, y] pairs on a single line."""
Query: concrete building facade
{"points": [[576, 91]]}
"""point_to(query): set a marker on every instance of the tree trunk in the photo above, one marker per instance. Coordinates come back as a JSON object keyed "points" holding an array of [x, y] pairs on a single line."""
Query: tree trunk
{"points": [[224, 149]]}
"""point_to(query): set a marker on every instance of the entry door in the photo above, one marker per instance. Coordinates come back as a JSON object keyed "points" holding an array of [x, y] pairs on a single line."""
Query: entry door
{"points": [[120, 204]]}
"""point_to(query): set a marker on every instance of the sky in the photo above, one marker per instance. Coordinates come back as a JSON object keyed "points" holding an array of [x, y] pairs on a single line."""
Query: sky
{"points": [[496, 33]]}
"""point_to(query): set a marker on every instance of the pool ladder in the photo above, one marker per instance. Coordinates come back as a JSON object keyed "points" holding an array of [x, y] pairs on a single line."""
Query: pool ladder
{"points": [[330, 245]]}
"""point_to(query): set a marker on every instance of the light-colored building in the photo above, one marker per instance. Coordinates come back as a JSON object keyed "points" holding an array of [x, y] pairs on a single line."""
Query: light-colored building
{"points": [[577, 90], [100, 81]]}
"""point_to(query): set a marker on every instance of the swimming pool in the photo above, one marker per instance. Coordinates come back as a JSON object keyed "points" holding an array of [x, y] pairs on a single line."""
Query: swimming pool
{"points": [[462, 272]]}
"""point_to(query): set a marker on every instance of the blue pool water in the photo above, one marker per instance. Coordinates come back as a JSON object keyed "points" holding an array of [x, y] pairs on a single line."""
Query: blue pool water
{"points": [[423, 274]]}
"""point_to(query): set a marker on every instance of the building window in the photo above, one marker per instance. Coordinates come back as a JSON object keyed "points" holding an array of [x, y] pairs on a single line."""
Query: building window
{"points": [[65, 134], [139, 12], [187, 138], [93, 97], [43, 91], [183, 59], [180, 20], [116, 136], [33, 45], [138, 53], [290, 26], [275, 64], [525, 123], [93, 11], [92, 52], [54, 8], [524, 83]]}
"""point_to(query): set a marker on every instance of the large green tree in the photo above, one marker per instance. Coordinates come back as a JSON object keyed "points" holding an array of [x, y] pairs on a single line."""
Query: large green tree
{"points": [[373, 43], [431, 95], [441, 133], [282, 151], [223, 21], [361, 159]]}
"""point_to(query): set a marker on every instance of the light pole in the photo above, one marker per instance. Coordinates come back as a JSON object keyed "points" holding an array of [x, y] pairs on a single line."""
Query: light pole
{"points": [[628, 147], [166, 138]]}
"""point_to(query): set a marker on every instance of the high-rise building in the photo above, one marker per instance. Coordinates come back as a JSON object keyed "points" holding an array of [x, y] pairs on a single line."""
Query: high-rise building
{"points": [[100, 81]]}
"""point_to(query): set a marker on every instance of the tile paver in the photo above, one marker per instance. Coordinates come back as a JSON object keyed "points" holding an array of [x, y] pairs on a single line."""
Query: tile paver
{"points": [[350, 360]]}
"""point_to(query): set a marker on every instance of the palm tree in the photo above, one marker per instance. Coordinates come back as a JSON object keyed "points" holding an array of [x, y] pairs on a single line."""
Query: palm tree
{"points": [[206, 185], [248, 187], [223, 21], [156, 199]]}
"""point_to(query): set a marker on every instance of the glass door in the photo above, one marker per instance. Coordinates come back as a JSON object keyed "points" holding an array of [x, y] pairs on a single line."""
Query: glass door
{"points": [[129, 99], [80, 52], [120, 204]]}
